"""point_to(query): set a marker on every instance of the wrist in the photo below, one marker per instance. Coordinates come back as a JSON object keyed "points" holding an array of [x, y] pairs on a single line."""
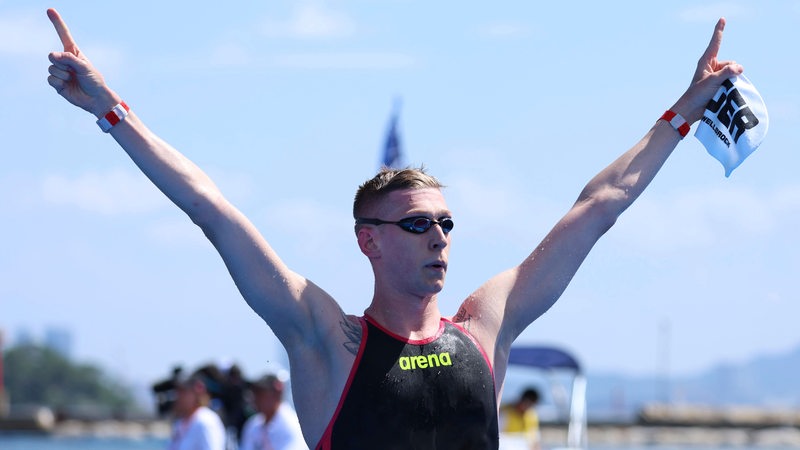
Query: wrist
{"points": [[676, 121], [688, 109], [117, 114], [104, 103]]}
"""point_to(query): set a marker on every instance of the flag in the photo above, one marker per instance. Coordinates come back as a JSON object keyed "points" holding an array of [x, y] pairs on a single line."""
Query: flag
{"points": [[392, 149]]}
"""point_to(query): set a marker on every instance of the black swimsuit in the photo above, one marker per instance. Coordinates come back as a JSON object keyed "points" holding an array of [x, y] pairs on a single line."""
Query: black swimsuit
{"points": [[436, 393]]}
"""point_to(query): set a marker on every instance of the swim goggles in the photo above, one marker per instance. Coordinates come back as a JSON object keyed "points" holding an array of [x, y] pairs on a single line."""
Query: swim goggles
{"points": [[416, 224]]}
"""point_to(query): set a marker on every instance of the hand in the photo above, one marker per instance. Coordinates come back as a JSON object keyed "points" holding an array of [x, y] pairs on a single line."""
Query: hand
{"points": [[73, 76], [707, 78]]}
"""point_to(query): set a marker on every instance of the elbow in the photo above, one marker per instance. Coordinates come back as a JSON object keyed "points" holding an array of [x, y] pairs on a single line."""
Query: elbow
{"points": [[206, 208], [604, 207]]}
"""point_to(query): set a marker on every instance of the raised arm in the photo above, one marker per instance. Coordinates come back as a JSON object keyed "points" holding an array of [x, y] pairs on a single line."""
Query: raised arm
{"points": [[509, 302], [284, 299]]}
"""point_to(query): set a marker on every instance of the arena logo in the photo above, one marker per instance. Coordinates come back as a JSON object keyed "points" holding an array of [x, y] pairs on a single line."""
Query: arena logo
{"points": [[732, 112], [425, 361]]}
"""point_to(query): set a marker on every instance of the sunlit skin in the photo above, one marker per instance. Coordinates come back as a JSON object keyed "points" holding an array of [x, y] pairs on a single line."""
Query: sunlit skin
{"points": [[409, 268], [320, 338]]}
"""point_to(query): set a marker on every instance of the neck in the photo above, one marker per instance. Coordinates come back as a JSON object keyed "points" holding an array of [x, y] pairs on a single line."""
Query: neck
{"points": [[415, 320], [269, 414], [188, 414]]}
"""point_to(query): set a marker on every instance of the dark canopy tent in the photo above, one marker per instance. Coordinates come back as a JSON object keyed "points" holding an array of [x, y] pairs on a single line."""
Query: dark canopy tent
{"points": [[543, 358]]}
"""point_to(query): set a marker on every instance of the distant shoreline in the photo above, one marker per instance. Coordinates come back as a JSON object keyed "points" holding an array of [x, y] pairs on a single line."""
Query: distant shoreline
{"points": [[625, 435], [620, 435], [655, 425]]}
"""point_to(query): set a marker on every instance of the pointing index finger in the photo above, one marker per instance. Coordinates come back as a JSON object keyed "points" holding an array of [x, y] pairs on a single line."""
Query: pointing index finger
{"points": [[63, 32], [716, 40]]}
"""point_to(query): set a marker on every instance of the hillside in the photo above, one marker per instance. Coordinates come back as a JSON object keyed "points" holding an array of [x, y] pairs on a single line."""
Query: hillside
{"points": [[765, 381]]}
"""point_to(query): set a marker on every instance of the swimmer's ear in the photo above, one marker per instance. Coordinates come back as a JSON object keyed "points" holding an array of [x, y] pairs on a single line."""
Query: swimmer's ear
{"points": [[367, 241]]}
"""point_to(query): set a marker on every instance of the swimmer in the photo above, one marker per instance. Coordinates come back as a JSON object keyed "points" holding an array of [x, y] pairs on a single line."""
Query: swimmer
{"points": [[404, 374]]}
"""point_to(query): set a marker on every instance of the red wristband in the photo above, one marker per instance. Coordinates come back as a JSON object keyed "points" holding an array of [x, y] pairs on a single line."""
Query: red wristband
{"points": [[117, 114], [677, 122]]}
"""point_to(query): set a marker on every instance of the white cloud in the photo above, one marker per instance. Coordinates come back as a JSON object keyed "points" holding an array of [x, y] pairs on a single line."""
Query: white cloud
{"points": [[177, 232], [504, 30], [710, 12], [487, 193], [654, 224], [121, 191], [783, 109], [315, 228], [787, 200], [706, 218], [229, 55], [30, 35], [109, 60], [113, 192], [307, 22], [311, 22], [345, 61], [26, 34]]}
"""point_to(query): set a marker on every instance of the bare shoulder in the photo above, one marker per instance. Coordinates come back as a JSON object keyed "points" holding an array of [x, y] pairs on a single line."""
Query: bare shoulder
{"points": [[478, 323], [483, 313], [463, 317]]}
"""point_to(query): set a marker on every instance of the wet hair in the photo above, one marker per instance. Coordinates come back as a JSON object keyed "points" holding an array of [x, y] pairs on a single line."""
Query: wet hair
{"points": [[388, 180]]}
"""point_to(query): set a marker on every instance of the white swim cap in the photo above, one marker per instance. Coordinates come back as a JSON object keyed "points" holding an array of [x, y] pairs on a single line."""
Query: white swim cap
{"points": [[734, 123]]}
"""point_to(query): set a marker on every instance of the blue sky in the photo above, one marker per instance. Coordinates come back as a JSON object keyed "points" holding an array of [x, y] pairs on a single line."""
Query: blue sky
{"points": [[514, 106]]}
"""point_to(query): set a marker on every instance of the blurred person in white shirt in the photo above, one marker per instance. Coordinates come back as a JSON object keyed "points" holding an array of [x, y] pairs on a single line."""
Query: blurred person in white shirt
{"points": [[275, 426], [196, 426]]}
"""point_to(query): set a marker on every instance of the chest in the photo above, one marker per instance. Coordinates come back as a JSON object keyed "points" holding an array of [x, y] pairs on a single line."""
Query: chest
{"points": [[419, 395]]}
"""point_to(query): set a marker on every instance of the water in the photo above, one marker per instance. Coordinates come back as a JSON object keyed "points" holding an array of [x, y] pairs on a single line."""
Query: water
{"points": [[26, 442]]}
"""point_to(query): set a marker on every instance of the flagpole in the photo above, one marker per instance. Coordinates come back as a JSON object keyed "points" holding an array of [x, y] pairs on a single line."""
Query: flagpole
{"points": [[4, 405]]}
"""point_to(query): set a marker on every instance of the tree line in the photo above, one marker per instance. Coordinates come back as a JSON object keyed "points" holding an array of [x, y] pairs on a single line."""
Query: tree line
{"points": [[39, 375]]}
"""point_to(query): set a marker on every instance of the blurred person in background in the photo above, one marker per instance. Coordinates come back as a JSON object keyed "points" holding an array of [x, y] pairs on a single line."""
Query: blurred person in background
{"points": [[275, 425], [196, 426], [521, 418]]}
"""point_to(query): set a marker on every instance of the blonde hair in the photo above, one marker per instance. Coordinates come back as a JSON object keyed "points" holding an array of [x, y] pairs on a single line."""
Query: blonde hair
{"points": [[372, 191]]}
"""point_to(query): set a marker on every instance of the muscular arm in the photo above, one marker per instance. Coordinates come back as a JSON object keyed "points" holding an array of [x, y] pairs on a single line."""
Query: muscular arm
{"points": [[319, 338], [286, 301], [501, 309]]}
